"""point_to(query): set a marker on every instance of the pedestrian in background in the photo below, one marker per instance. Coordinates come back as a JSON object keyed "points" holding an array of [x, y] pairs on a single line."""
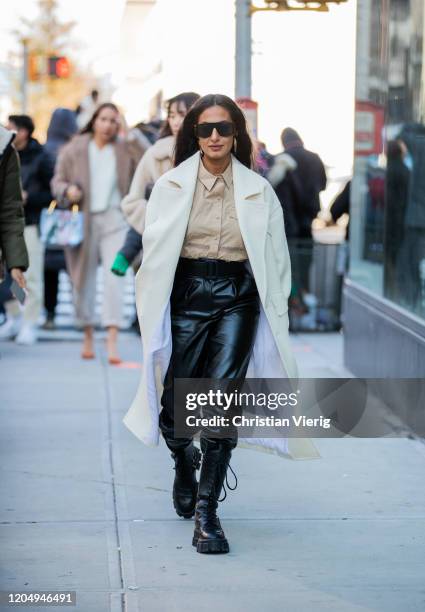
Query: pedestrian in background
{"points": [[303, 177], [13, 251], [309, 177], [398, 184], [95, 170], [62, 127], [157, 160], [141, 137], [212, 296], [263, 159], [36, 174]]}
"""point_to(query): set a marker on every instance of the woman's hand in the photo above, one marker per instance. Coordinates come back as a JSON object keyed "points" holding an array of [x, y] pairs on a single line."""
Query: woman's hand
{"points": [[74, 193]]}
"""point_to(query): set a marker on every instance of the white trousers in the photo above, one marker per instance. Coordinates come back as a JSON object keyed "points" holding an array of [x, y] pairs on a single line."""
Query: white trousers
{"points": [[108, 230]]}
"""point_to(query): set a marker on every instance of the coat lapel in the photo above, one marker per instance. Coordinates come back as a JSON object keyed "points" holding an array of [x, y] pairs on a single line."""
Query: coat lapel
{"points": [[253, 213], [181, 182], [163, 242]]}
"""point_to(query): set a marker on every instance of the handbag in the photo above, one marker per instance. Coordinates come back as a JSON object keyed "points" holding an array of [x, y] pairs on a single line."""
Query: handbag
{"points": [[61, 228]]}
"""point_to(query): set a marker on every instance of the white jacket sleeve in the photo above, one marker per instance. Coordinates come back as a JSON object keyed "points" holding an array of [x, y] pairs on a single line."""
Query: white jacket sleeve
{"points": [[134, 203]]}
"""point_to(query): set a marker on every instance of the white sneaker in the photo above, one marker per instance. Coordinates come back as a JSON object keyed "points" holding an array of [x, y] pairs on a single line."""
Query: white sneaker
{"points": [[28, 334], [10, 328]]}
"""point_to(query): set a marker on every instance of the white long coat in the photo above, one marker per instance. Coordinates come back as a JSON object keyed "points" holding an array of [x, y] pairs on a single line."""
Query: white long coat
{"points": [[261, 223]]}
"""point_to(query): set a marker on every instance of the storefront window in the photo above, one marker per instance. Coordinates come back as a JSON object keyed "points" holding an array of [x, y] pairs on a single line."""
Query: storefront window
{"points": [[388, 190]]}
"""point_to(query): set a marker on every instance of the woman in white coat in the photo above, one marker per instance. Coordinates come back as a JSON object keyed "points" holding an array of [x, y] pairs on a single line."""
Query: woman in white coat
{"points": [[212, 295]]}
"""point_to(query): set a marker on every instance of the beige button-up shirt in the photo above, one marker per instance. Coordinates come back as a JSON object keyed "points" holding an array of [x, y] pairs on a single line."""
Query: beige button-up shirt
{"points": [[213, 228]]}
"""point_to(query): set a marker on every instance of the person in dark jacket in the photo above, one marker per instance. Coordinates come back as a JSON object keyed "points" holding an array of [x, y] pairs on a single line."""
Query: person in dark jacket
{"points": [[13, 251], [36, 174], [412, 251], [62, 127], [397, 195], [298, 193], [309, 178]]}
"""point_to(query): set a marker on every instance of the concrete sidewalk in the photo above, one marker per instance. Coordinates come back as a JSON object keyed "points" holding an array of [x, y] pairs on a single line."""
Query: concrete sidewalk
{"points": [[85, 506]]}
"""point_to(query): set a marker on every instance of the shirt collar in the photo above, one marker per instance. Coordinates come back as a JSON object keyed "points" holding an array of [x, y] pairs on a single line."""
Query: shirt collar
{"points": [[208, 180]]}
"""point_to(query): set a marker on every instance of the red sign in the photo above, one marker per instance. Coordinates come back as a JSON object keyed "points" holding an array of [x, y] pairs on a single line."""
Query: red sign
{"points": [[369, 126]]}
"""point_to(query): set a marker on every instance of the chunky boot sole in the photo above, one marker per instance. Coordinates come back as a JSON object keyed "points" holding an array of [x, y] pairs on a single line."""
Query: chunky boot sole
{"points": [[211, 546], [190, 513], [186, 515]]}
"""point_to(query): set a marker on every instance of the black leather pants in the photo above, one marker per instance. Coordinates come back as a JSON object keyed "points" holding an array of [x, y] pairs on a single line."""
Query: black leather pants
{"points": [[214, 315]]}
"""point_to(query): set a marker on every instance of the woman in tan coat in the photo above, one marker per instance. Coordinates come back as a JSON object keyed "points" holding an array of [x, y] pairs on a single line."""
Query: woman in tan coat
{"points": [[157, 160], [95, 170]]}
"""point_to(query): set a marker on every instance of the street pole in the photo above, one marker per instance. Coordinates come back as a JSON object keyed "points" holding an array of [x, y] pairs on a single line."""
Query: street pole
{"points": [[24, 84], [243, 49], [244, 11]]}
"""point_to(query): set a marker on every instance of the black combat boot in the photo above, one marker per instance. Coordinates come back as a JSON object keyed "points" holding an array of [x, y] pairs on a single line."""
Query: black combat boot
{"points": [[208, 536], [187, 461]]}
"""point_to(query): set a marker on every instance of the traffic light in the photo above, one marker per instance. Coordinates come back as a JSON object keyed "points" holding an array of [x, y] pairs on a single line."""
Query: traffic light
{"points": [[58, 67], [36, 67]]}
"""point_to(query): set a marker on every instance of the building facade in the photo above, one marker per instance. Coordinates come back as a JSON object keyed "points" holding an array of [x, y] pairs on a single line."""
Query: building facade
{"points": [[384, 292]]}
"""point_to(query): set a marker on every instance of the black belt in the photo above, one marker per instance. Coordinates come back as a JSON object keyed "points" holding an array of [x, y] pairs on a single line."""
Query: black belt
{"points": [[210, 267]]}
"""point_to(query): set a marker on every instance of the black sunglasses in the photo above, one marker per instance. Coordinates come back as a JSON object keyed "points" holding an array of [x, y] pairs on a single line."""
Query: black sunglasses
{"points": [[224, 128]]}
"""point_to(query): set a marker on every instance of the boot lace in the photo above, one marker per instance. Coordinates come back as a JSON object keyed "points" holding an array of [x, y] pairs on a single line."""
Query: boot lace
{"points": [[226, 483]]}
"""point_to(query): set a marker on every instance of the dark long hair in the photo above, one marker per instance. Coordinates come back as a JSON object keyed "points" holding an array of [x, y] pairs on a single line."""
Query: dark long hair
{"points": [[187, 143], [187, 98], [89, 128]]}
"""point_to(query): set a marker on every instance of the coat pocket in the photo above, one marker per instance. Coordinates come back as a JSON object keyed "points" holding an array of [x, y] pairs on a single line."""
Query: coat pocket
{"points": [[280, 302]]}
